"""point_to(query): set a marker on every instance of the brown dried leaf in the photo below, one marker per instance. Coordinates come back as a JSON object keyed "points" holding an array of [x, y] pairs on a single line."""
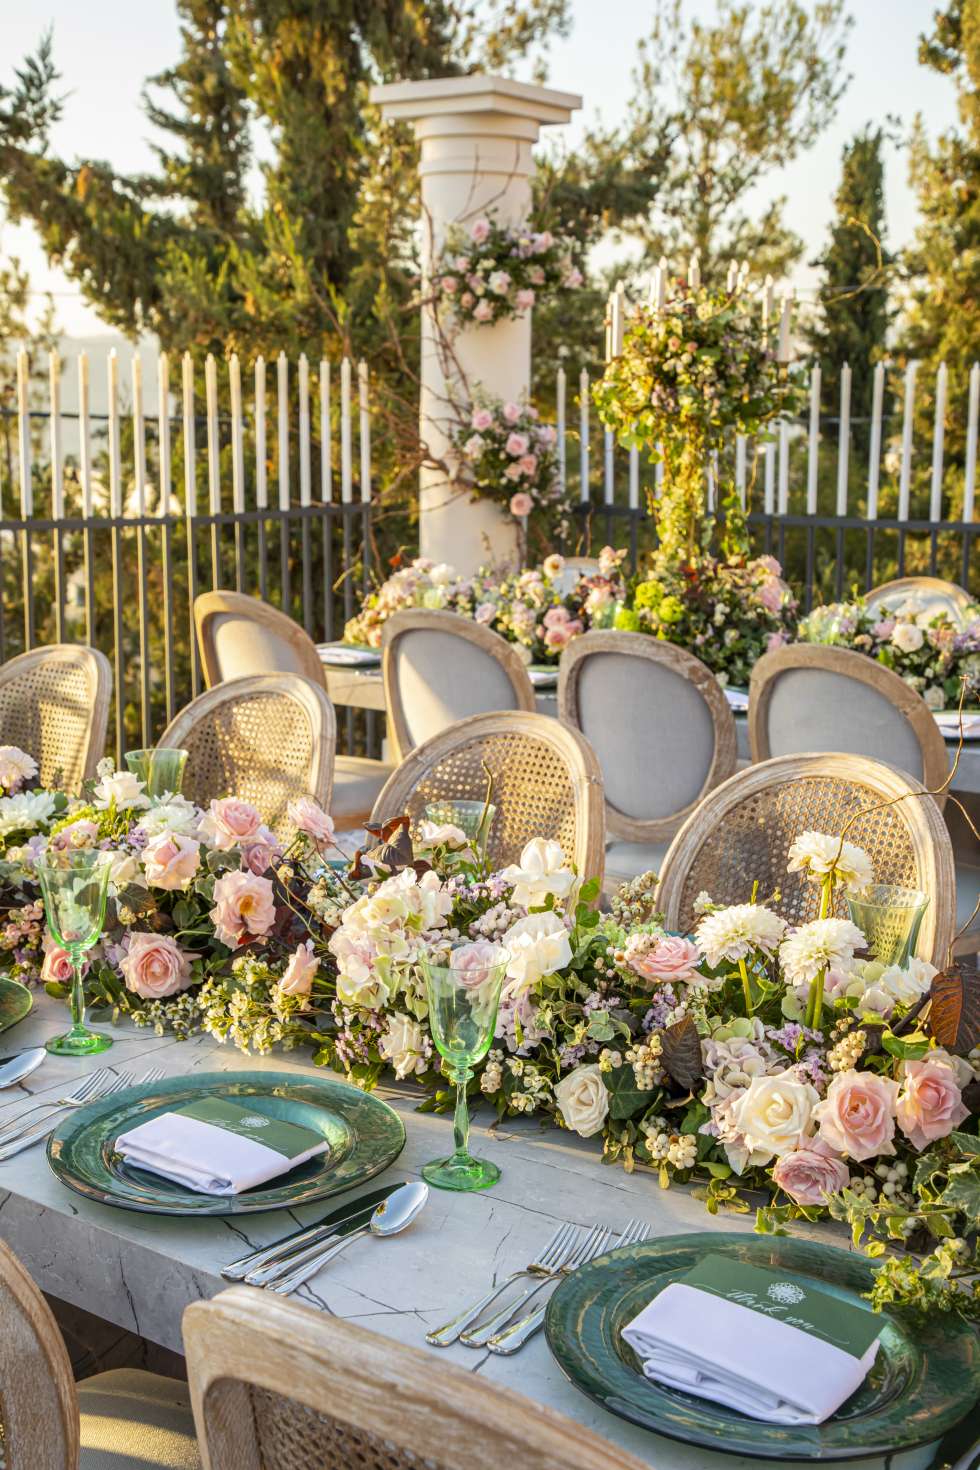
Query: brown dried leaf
{"points": [[681, 1053], [954, 1010]]}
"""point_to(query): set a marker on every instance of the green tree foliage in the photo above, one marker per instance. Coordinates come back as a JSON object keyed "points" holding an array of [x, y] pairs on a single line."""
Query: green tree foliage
{"points": [[853, 312]]}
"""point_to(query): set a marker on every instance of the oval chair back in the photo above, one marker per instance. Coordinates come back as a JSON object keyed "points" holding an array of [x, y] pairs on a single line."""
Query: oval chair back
{"points": [[933, 594], [54, 705], [808, 698], [440, 667], [742, 832], [239, 635]]}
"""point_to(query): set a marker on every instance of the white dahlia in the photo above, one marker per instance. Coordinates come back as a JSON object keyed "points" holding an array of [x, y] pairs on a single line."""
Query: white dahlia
{"points": [[819, 945], [733, 933], [816, 853]]}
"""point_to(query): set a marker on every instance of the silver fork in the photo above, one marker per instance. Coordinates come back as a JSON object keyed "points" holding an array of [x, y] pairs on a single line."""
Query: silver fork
{"points": [[80, 1093], [47, 1126], [582, 1248], [547, 1261], [513, 1338]]}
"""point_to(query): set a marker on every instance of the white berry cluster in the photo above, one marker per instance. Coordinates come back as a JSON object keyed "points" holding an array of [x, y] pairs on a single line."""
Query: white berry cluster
{"points": [[532, 1093], [633, 902], [892, 1187], [645, 1062], [495, 922], [683, 1151], [848, 1051], [657, 1136], [493, 1073], [864, 1186], [609, 1060], [973, 1057]]}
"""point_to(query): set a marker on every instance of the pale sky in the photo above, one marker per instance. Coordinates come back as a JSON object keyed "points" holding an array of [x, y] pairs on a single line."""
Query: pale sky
{"points": [[105, 49]]}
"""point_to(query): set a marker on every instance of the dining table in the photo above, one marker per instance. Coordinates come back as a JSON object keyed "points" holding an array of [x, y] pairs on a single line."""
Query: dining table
{"points": [[140, 1270]]}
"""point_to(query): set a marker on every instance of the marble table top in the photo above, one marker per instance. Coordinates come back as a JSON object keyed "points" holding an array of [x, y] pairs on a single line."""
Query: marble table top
{"points": [[140, 1271]]}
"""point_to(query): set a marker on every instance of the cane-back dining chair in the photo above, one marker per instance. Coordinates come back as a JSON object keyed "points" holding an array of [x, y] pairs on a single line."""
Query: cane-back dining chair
{"points": [[267, 738], [440, 667], [662, 729], [277, 1385], [239, 635], [122, 1420], [741, 835], [546, 783], [931, 595], [54, 705], [810, 698]]}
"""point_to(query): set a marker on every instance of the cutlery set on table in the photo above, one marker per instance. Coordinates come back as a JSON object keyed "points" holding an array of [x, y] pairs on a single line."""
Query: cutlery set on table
{"points": [[27, 1129]]}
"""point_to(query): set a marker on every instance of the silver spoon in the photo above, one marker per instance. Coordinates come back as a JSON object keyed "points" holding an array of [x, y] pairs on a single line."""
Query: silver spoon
{"points": [[20, 1065], [392, 1215]]}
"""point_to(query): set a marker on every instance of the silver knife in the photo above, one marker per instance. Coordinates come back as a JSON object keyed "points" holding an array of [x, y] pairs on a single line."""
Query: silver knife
{"points": [[22, 1064], [350, 1210]]}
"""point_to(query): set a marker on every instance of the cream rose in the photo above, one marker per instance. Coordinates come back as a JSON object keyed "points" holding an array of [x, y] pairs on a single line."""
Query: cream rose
{"points": [[171, 861], [537, 946], [583, 1100], [155, 966], [540, 872], [908, 637], [774, 1114], [123, 789]]}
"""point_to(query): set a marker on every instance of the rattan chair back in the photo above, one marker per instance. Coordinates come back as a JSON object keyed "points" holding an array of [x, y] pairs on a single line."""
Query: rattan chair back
{"points": [[546, 783], [240, 635], [617, 688], [54, 704], [276, 1385], [933, 594], [39, 1419], [440, 667], [741, 835], [268, 739]]}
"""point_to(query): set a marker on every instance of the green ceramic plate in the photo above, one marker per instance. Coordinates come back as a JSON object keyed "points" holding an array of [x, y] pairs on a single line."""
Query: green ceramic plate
{"points": [[923, 1382], [15, 1002], [365, 1137]]}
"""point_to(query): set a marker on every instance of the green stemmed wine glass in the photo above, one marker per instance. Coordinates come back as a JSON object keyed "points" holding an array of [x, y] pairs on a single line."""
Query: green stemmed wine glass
{"points": [[474, 818], [161, 770], [74, 884], [463, 992]]}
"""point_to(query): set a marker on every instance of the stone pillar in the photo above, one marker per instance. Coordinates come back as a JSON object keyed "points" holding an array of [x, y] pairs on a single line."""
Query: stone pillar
{"points": [[475, 135]]}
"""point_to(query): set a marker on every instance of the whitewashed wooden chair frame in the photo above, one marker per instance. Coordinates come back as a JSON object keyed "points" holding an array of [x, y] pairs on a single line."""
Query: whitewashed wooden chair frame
{"points": [[463, 745], [752, 797], [436, 620], [851, 665], [212, 708], [356, 1399], [210, 606], [38, 1399], [68, 734], [946, 596], [679, 661]]}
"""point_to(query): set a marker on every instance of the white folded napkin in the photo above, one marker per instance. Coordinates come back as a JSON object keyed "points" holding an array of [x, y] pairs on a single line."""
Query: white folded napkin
{"points": [[781, 1359], [346, 655], [217, 1146]]}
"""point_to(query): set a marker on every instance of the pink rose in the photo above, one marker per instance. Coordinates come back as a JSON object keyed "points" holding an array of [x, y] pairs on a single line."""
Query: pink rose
{"points": [[512, 412], [770, 594], [809, 1174], [774, 641], [449, 284], [542, 241], [573, 277], [229, 822], [485, 613], [524, 299], [479, 230], [521, 504], [483, 312], [258, 855], [308, 816], [513, 471], [564, 633], [155, 966], [516, 444], [243, 908], [466, 300], [474, 963], [857, 1117], [884, 629], [556, 617], [546, 434], [930, 1103], [482, 419], [56, 968], [80, 834], [298, 976], [171, 860], [769, 564], [662, 958], [528, 463]]}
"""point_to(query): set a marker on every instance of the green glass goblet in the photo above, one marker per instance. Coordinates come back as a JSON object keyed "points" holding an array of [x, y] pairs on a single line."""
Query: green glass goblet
{"points": [[474, 818], [161, 770], [463, 991], [889, 917], [74, 885]]}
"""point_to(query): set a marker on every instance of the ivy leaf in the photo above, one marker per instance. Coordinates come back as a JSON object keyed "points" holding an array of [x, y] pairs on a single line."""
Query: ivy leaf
{"points": [[965, 1142], [954, 1012], [681, 1053], [625, 1098], [963, 1193]]}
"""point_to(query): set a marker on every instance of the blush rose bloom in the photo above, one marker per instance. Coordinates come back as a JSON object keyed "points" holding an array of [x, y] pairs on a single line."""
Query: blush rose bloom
{"points": [[516, 444], [659, 958], [298, 976], [243, 908], [56, 968], [229, 822], [583, 1099], [171, 861], [857, 1117], [512, 412], [259, 855], [930, 1103], [479, 230], [474, 963], [524, 299], [155, 966], [482, 419], [809, 1174], [308, 816], [521, 504], [483, 311]]}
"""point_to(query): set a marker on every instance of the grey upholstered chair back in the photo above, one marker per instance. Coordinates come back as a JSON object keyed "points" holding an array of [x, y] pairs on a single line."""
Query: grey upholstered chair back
{"points": [[440, 668], [657, 719], [813, 699], [240, 635]]}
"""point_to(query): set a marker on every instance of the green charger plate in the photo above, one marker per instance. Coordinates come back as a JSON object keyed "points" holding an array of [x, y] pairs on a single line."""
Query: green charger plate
{"points": [[924, 1380], [15, 1002], [365, 1135]]}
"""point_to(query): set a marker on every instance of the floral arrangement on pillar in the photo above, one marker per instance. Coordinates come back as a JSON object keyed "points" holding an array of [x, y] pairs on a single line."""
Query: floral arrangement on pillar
{"points": [[491, 272], [508, 455]]}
